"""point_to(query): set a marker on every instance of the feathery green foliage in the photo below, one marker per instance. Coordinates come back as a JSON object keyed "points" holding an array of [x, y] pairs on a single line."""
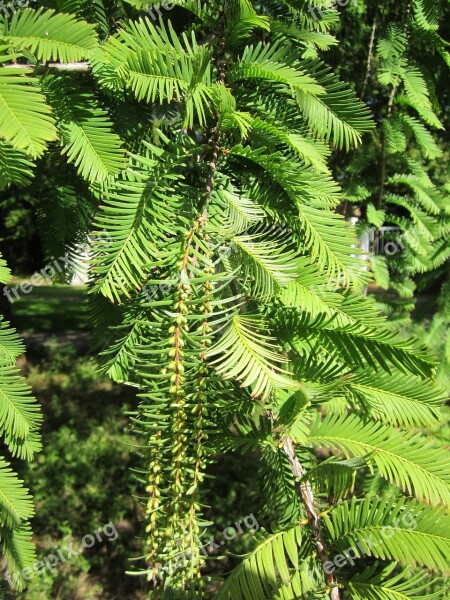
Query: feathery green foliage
{"points": [[226, 287], [19, 430], [402, 186]]}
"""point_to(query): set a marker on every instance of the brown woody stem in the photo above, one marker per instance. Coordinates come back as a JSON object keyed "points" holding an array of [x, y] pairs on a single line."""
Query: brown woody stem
{"points": [[307, 496]]}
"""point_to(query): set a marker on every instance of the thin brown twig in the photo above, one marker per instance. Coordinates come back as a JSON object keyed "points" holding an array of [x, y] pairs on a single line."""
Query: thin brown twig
{"points": [[370, 54], [307, 496]]}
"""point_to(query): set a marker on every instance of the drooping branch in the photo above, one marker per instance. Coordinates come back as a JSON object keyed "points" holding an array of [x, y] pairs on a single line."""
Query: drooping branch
{"points": [[184, 504], [307, 497], [214, 156]]}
